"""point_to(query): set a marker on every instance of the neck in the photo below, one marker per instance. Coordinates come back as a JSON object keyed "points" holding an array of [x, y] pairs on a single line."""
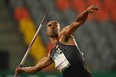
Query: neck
{"points": [[54, 40]]}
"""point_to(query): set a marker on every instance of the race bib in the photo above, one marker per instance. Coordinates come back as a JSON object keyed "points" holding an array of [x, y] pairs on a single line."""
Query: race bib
{"points": [[60, 60]]}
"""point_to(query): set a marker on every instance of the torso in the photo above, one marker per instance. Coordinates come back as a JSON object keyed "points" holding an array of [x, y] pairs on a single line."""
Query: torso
{"points": [[68, 58], [76, 63]]}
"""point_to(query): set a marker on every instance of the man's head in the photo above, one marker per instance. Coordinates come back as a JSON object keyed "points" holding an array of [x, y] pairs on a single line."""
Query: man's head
{"points": [[53, 27]]}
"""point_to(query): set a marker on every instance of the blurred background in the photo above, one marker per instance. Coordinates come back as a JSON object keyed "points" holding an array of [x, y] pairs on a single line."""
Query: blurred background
{"points": [[19, 20]]}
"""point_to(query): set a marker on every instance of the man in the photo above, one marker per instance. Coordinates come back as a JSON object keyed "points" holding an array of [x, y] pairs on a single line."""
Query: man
{"points": [[65, 54]]}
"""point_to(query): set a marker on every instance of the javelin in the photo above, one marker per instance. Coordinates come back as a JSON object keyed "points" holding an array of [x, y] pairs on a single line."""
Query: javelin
{"points": [[30, 45]]}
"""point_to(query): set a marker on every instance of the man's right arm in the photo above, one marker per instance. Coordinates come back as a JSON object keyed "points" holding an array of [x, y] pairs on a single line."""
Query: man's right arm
{"points": [[46, 61]]}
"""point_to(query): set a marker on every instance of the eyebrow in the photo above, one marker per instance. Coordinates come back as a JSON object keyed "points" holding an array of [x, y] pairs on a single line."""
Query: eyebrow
{"points": [[51, 23]]}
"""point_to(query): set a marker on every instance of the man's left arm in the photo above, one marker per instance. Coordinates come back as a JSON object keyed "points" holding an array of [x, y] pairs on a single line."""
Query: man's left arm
{"points": [[79, 20]]}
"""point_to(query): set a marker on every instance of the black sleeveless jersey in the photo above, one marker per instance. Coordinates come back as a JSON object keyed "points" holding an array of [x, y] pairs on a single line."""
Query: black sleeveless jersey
{"points": [[77, 67]]}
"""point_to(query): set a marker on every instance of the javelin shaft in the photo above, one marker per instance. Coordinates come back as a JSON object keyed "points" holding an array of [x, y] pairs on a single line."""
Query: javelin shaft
{"points": [[30, 45]]}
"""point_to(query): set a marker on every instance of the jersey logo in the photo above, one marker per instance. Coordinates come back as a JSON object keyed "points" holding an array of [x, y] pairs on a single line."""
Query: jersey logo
{"points": [[60, 60]]}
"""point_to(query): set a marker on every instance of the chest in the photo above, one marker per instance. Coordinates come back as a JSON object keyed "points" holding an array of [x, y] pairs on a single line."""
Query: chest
{"points": [[60, 60]]}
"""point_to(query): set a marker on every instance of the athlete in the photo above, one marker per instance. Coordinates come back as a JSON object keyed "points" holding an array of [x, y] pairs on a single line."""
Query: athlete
{"points": [[65, 54]]}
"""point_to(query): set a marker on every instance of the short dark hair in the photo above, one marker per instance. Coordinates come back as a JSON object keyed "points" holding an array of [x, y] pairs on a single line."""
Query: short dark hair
{"points": [[56, 22]]}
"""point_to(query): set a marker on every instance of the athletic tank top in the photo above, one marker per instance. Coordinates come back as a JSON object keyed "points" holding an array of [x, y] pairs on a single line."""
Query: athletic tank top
{"points": [[65, 56]]}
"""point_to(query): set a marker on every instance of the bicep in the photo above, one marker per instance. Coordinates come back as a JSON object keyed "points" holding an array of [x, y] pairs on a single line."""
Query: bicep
{"points": [[46, 61], [68, 30]]}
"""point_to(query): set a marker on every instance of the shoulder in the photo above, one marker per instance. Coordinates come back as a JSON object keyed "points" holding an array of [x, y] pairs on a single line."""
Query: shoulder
{"points": [[63, 31]]}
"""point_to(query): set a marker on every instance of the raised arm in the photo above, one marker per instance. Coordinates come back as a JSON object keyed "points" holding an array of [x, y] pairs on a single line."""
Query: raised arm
{"points": [[46, 61], [78, 21]]}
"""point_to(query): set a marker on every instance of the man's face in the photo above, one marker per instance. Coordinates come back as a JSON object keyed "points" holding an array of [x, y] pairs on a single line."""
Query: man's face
{"points": [[52, 29]]}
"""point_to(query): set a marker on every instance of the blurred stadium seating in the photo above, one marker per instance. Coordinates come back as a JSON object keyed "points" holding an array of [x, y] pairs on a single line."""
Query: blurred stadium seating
{"points": [[96, 37]]}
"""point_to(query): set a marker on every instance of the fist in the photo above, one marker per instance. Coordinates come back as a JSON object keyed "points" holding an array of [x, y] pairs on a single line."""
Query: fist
{"points": [[91, 8], [18, 70]]}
